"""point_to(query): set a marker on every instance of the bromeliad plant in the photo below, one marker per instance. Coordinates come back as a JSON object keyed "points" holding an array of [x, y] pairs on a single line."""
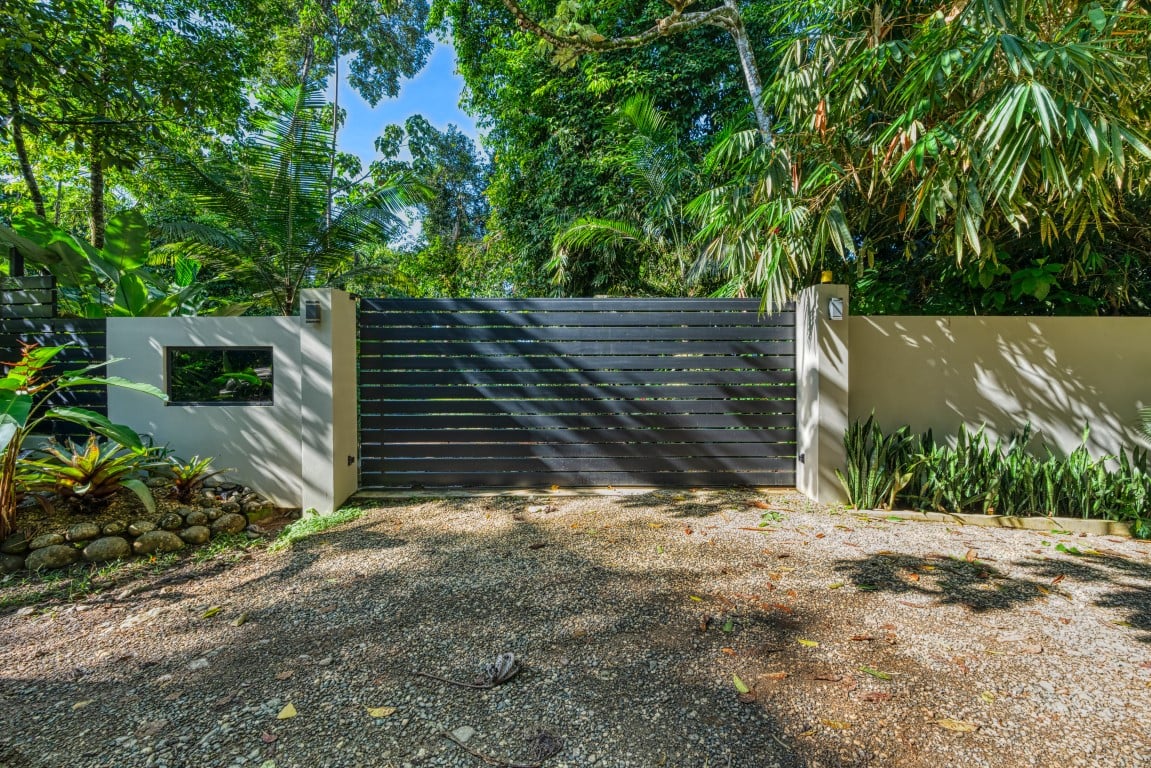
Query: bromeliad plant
{"points": [[188, 477], [91, 473], [28, 398]]}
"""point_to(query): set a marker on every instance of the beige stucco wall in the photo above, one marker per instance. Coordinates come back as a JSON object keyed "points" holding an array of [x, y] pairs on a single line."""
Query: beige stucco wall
{"points": [[260, 442], [1059, 373], [296, 451], [822, 360]]}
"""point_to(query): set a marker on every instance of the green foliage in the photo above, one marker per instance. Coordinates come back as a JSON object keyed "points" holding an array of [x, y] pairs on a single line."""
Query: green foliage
{"points": [[979, 476], [265, 221], [983, 135], [93, 472], [312, 524], [644, 244], [551, 132], [27, 395], [877, 464], [189, 476], [113, 281]]}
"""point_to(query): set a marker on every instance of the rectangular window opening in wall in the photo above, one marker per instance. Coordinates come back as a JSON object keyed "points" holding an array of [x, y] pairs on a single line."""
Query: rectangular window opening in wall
{"points": [[218, 375]]}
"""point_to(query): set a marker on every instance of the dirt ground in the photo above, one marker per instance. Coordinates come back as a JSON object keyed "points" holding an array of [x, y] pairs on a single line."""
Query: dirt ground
{"points": [[692, 629]]}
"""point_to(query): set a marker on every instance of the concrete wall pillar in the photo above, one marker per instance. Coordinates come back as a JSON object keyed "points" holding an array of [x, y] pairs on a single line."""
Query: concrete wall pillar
{"points": [[329, 438], [822, 398]]}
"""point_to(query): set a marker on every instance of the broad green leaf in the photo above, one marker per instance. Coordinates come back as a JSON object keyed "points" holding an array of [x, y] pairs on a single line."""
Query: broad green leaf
{"points": [[98, 423], [1097, 16], [126, 241], [113, 381], [131, 295], [15, 408]]}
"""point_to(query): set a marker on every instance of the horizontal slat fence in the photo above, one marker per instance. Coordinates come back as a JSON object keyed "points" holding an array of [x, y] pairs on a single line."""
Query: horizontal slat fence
{"points": [[575, 392], [29, 296], [87, 343]]}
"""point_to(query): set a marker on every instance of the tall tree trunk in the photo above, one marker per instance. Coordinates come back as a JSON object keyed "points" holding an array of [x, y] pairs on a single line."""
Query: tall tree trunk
{"points": [[726, 16], [98, 222], [26, 169], [750, 70], [335, 133]]}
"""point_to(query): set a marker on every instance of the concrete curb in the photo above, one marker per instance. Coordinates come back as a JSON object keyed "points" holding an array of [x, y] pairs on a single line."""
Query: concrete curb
{"points": [[1048, 524]]}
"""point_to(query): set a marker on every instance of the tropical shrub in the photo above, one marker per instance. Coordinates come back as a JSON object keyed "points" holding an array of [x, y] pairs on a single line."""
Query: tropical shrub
{"points": [[1003, 477], [189, 476], [93, 472], [28, 398]]}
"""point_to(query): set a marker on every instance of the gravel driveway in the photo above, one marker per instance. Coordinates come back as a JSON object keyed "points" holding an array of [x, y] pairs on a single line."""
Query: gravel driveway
{"points": [[863, 643]]}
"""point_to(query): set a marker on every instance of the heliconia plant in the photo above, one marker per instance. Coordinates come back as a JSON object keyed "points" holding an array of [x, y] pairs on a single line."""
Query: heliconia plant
{"points": [[27, 400]]}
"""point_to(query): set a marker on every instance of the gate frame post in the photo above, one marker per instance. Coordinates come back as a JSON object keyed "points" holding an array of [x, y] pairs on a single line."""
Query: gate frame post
{"points": [[329, 436], [823, 378]]}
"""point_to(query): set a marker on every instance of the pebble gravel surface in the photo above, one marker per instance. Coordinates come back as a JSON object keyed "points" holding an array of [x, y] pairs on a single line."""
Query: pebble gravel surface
{"points": [[657, 629]]}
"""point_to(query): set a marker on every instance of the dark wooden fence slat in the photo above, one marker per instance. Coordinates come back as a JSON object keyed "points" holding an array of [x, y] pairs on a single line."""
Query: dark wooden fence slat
{"points": [[588, 407], [658, 463], [630, 347], [544, 480], [701, 437], [584, 364], [587, 391], [463, 306], [384, 380], [448, 337], [532, 423], [519, 451]]}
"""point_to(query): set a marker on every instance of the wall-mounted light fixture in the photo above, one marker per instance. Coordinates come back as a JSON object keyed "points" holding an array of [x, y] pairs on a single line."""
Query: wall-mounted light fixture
{"points": [[312, 314], [835, 308]]}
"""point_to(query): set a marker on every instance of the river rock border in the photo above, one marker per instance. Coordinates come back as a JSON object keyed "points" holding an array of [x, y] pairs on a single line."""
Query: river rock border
{"points": [[223, 509]]}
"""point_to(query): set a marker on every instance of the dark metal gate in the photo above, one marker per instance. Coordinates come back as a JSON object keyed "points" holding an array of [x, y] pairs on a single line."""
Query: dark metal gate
{"points": [[575, 392]]}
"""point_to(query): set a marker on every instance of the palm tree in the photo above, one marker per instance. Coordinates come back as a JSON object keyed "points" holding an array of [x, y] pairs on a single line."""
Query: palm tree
{"points": [[646, 244], [979, 133], [270, 228]]}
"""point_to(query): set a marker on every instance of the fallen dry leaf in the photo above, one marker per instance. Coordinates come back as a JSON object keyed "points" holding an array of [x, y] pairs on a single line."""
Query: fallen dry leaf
{"points": [[268, 737], [1058, 579], [285, 674], [82, 704], [774, 676], [837, 724], [287, 712], [971, 555], [830, 677], [728, 651], [381, 711], [211, 611], [959, 726], [876, 696], [861, 637], [1031, 649], [808, 643], [240, 620]]}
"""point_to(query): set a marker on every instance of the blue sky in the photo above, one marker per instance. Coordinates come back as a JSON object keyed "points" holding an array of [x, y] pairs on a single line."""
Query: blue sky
{"points": [[433, 93]]}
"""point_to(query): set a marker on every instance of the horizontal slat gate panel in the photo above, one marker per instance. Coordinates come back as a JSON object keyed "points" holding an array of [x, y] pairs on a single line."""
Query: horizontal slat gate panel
{"points": [[86, 342], [538, 392], [582, 364], [576, 479], [654, 350], [586, 391], [392, 449], [522, 408], [529, 378], [650, 437]]}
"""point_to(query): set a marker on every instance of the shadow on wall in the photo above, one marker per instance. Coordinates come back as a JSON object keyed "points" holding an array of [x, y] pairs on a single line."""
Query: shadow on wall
{"points": [[1059, 373]]}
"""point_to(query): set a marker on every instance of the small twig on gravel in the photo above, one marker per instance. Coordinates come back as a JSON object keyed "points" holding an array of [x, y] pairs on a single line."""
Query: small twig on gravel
{"points": [[504, 668], [543, 746]]}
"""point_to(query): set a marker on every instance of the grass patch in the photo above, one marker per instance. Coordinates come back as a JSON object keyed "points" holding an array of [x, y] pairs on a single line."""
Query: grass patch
{"points": [[311, 524], [231, 546]]}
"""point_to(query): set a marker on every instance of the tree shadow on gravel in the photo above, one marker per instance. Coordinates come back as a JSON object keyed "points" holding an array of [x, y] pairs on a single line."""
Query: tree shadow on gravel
{"points": [[975, 585], [618, 655], [1127, 590]]}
